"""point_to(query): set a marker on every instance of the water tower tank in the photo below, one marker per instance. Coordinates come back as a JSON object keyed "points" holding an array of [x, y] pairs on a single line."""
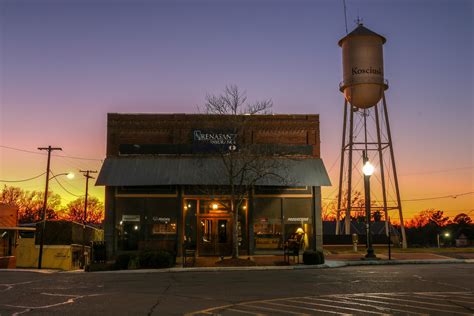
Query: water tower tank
{"points": [[362, 62]]}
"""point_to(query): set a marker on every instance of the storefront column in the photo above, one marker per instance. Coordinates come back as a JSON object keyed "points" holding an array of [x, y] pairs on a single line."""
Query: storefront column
{"points": [[179, 223], [110, 232], [317, 220], [250, 208]]}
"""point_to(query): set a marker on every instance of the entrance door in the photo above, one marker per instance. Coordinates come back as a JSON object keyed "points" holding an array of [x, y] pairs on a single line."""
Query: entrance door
{"points": [[215, 236]]}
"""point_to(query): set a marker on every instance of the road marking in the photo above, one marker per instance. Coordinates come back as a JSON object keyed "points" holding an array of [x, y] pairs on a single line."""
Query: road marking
{"points": [[345, 301], [68, 301], [57, 294], [244, 312], [405, 305], [349, 303], [363, 303], [9, 286], [438, 297], [306, 308], [407, 300], [274, 310], [339, 307]]}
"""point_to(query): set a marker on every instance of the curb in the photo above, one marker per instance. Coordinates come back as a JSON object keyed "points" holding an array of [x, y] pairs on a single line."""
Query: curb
{"points": [[330, 264], [42, 271]]}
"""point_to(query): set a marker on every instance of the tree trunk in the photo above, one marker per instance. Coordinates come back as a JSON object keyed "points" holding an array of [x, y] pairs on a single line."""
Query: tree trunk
{"points": [[235, 226]]}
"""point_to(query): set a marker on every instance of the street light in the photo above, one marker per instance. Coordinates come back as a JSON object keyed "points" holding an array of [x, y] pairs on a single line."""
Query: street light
{"points": [[368, 169], [69, 175], [446, 236]]}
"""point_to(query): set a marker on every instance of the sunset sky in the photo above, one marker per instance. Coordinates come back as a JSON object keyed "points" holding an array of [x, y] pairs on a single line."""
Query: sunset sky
{"points": [[65, 64]]}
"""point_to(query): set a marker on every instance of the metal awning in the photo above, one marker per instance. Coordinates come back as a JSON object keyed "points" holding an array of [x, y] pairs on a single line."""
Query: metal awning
{"points": [[143, 171]]}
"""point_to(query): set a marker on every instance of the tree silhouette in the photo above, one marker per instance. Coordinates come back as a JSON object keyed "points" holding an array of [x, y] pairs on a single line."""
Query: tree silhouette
{"points": [[74, 211], [462, 219], [30, 203]]}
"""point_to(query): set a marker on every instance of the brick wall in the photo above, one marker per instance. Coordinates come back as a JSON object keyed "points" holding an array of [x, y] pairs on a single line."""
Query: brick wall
{"points": [[177, 129]]}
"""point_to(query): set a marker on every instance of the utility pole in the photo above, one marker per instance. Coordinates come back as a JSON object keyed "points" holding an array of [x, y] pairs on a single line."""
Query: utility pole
{"points": [[86, 174], [45, 202]]}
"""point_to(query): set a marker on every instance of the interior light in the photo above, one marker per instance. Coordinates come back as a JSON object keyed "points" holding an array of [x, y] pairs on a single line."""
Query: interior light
{"points": [[185, 207], [135, 227], [300, 230], [189, 205], [215, 206], [121, 222], [244, 207]]}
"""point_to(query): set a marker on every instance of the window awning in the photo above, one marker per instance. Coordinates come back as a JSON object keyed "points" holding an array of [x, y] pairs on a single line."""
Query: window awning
{"points": [[143, 171]]}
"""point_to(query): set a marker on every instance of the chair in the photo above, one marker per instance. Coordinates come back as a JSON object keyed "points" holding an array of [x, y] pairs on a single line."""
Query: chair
{"points": [[189, 251], [292, 247]]}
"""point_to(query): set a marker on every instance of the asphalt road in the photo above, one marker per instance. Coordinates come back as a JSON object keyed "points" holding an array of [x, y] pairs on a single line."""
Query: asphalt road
{"points": [[366, 290]]}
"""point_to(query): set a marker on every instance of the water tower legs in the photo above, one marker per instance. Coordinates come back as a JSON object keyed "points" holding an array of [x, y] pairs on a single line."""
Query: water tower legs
{"points": [[389, 135], [352, 142]]}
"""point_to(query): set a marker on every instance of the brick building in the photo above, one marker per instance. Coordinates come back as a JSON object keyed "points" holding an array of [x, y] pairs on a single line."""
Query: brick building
{"points": [[160, 167]]}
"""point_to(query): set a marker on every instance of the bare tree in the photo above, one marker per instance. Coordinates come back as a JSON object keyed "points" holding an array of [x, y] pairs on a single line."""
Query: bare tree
{"points": [[74, 211], [243, 166], [30, 203]]}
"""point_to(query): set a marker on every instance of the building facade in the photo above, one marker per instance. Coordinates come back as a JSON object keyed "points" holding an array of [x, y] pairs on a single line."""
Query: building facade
{"points": [[167, 182]]}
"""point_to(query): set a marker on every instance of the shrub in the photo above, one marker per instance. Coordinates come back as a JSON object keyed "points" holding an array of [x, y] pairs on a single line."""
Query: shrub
{"points": [[122, 261], [133, 263], [99, 266], [313, 257], [155, 259]]}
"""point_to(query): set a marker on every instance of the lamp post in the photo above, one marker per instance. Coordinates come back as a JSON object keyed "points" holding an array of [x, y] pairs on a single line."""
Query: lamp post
{"points": [[368, 170], [69, 175]]}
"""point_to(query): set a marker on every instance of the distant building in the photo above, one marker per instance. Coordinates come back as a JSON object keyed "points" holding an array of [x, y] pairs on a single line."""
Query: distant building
{"points": [[62, 245], [158, 164], [9, 234]]}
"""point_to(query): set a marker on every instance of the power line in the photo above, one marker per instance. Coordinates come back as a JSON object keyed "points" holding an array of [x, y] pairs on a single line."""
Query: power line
{"points": [[24, 180], [437, 171], [440, 197], [454, 196], [60, 184], [37, 153]]}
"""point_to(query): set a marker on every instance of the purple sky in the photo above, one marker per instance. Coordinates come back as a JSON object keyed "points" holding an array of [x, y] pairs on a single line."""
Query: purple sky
{"points": [[65, 64]]}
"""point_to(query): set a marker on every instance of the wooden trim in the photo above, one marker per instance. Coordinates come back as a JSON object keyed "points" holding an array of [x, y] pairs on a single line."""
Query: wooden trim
{"points": [[283, 195], [138, 195]]}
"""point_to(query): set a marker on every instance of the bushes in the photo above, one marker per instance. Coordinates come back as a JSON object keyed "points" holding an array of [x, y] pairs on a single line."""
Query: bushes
{"points": [[155, 259], [122, 261], [99, 266], [313, 257], [146, 259]]}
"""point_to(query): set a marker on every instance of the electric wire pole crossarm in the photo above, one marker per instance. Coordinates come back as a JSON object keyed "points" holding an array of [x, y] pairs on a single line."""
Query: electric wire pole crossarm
{"points": [[87, 175]]}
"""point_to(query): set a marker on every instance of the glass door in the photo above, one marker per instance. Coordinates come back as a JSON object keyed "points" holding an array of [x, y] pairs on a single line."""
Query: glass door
{"points": [[215, 236]]}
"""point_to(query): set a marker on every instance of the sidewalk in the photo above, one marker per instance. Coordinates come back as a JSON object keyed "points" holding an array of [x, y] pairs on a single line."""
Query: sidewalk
{"points": [[276, 262]]}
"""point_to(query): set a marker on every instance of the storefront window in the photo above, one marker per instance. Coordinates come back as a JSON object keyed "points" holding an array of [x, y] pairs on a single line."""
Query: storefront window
{"points": [[164, 228], [267, 227], [297, 218], [214, 206], [268, 234], [190, 231], [129, 231], [222, 231]]}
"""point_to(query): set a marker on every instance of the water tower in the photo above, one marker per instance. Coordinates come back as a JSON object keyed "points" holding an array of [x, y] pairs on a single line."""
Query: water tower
{"points": [[366, 131]]}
